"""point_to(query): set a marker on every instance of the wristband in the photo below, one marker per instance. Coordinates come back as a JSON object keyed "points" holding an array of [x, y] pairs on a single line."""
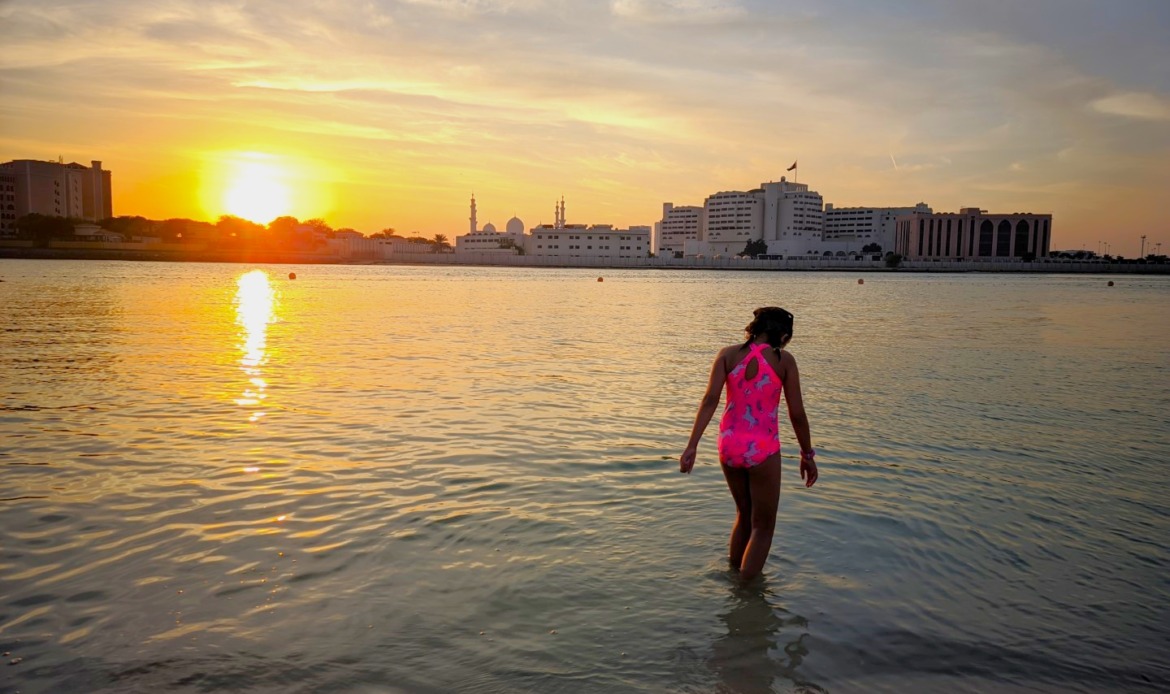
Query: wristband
{"points": [[808, 454]]}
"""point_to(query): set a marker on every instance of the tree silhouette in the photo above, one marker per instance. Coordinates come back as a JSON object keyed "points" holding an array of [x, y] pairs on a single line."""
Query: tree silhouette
{"points": [[319, 226], [44, 228], [754, 248]]}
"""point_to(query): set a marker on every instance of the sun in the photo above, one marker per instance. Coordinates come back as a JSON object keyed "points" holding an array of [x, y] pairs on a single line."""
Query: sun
{"points": [[256, 191], [262, 185]]}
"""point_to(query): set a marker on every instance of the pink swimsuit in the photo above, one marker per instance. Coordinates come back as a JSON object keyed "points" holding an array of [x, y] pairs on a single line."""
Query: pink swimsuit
{"points": [[748, 432]]}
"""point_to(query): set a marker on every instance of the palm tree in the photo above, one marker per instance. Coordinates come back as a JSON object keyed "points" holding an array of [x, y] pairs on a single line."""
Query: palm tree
{"points": [[441, 243]]}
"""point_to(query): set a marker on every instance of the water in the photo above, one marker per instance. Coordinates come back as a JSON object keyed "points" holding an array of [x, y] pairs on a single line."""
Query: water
{"points": [[428, 480]]}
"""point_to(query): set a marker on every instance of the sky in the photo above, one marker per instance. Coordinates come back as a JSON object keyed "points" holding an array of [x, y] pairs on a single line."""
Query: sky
{"points": [[392, 113]]}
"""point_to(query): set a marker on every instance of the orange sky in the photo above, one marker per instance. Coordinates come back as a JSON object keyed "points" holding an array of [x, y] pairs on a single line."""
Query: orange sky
{"points": [[391, 113]]}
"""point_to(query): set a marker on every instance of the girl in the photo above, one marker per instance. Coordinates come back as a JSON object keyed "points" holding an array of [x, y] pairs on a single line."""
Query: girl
{"points": [[749, 444]]}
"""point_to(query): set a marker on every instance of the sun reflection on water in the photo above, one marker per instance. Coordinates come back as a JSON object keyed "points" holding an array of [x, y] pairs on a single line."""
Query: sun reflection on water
{"points": [[255, 310]]}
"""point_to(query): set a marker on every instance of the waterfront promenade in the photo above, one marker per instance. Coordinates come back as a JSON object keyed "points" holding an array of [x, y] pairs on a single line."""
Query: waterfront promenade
{"points": [[801, 264], [175, 253]]}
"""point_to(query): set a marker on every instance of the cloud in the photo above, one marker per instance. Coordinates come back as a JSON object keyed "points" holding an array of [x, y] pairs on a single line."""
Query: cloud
{"points": [[680, 11], [1141, 105]]}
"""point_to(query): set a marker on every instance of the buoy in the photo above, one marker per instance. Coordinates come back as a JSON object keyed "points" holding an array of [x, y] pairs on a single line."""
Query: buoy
{"points": [[292, 275], [600, 279], [1110, 283], [860, 281]]}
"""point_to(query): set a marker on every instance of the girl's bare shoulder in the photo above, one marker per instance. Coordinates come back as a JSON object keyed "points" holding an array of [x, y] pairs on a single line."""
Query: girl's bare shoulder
{"points": [[731, 350]]}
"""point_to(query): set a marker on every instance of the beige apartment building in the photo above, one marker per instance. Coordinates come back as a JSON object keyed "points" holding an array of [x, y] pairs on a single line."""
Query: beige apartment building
{"points": [[56, 189]]}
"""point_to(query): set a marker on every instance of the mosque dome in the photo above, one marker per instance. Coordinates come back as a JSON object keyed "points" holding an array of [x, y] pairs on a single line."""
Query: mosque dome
{"points": [[489, 228], [515, 226]]}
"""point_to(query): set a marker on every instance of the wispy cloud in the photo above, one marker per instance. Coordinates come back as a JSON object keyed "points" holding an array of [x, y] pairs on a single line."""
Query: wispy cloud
{"points": [[1135, 105], [683, 11]]}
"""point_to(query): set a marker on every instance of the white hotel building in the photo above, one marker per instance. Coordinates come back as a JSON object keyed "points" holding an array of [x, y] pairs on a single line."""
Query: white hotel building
{"points": [[733, 218], [787, 216], [867, 225], [679, 225], [793, 217], [793, 222]]}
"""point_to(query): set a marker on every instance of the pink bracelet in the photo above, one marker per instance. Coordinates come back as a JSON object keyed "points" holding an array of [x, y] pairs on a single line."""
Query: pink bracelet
{"points": [[808, 454]]}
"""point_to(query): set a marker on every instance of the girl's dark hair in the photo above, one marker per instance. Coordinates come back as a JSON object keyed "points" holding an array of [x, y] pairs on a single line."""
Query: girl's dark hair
{"points": [[773, 322]]}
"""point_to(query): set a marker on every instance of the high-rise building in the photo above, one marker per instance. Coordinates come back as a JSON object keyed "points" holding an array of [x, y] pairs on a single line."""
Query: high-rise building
{"points": [[56, 189], [7, 203], [793, 217], [732, 219]]}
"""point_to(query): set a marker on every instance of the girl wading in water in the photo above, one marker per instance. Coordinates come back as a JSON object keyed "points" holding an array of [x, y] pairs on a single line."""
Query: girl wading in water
{"points": [[755, 373]]}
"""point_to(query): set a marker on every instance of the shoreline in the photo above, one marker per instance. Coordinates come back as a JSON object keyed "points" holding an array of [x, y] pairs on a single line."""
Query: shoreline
{"points": [[1048, 266]]}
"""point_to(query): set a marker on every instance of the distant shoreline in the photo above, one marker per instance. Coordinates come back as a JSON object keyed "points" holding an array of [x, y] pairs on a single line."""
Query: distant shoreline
{"points": [[1047, 266]]}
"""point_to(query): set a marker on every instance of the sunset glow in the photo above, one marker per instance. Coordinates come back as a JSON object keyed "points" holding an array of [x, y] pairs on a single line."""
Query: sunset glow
{"points": [[261, 186], [256, 192], [400, 111]]}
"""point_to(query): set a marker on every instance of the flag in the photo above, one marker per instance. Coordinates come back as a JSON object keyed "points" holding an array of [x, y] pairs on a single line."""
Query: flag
{"points": [[792, 167]]}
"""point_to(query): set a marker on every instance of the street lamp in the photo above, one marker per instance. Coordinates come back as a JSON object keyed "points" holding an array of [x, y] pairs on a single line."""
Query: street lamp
{"points": [[1143, 253]]}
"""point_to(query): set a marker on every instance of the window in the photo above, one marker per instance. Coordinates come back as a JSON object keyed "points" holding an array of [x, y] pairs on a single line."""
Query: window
{"points": [[986, 230], [1003, 241]]}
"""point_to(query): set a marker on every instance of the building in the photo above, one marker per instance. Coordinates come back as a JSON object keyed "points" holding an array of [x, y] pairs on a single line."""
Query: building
{"points": [[793, 217], [588, 241], [489, 239], [678, 225], [563, 240], [55, 189], [867, 225], [793, 221], [786, 215], [732, 219], [7, 203], [973, 233]]}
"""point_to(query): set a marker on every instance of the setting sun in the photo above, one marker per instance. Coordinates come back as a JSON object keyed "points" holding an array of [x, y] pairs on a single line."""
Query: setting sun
{"points": [[260, 186], [256, 192]]}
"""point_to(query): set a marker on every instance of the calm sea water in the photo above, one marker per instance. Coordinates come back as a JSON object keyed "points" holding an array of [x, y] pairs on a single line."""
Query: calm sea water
{"points": [[427, 480]]}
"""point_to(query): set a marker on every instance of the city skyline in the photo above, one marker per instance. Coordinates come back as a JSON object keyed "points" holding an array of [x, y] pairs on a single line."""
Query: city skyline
{"points": [[391, 114]]}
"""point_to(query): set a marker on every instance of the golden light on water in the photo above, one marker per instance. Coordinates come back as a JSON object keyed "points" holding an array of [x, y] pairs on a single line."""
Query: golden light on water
{"points": [[255, 310]]}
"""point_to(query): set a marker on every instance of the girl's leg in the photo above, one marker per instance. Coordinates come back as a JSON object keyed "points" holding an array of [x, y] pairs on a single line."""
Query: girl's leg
{"points": [[764, 488], [737, 482]]}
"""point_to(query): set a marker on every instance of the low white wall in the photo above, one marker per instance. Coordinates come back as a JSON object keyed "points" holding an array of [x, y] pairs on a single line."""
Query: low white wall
{"points": [[733, 263]]}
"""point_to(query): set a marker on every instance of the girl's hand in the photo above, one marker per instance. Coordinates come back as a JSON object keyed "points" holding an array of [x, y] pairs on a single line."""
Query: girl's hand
{"points": [[808, 471], [686, 461]]}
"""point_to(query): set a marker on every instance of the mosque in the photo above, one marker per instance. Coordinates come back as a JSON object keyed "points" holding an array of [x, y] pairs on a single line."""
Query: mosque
{"points": [[559, 240], [488, 238]]}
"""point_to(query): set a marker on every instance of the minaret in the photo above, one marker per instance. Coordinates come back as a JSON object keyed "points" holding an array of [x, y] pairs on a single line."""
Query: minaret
{"points": [[473, 222]]}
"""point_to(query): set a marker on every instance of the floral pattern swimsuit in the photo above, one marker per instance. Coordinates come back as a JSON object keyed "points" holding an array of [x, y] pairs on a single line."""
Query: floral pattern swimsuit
{"points": [[748, 431]]}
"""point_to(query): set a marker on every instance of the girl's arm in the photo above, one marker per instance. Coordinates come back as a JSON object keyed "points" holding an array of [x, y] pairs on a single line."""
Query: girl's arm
{"points": [[707, 407], [796, 415]]}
